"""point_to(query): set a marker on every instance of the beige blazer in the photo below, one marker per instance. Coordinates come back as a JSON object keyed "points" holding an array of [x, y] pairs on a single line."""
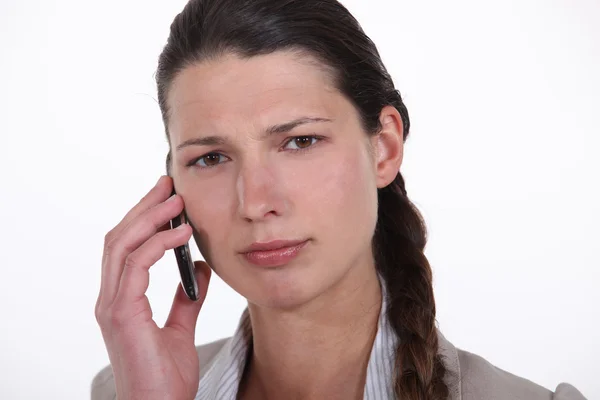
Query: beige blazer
{"points": [[470, 377]]}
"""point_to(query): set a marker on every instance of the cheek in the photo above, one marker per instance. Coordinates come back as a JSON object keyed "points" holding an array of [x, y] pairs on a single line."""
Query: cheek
{"points": [[209, 218], [343, 196]]}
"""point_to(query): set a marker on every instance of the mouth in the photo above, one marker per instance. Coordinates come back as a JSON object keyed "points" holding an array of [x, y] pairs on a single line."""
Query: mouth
{"points": [[274, 254]]}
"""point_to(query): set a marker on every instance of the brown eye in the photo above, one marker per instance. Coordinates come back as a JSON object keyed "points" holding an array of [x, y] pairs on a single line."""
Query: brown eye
{"points": [[210, 160], [303, 142]]}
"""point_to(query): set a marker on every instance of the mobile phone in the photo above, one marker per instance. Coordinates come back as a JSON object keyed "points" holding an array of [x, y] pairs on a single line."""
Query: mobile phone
{"points": [[184, 260]]}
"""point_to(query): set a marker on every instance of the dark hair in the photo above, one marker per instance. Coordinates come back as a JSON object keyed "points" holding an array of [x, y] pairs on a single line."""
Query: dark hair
{"points": [[325, 29]]}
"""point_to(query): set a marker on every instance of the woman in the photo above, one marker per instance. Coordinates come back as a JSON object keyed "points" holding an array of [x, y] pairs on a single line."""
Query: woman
{"points": [[284, 125]]}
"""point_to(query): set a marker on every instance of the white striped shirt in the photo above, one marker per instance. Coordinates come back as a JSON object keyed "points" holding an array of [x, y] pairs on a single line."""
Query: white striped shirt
{"points": [[221, 380]]}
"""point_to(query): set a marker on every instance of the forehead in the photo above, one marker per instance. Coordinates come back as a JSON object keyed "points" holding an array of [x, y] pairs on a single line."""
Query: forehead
{"points": [[257, 91]]}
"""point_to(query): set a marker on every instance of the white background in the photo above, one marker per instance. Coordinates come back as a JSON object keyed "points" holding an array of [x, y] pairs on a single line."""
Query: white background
{"points": [[502, 161]]}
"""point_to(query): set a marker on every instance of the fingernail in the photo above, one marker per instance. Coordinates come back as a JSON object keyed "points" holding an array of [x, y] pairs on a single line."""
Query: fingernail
{"points": [[181, 227], [170, 199]]}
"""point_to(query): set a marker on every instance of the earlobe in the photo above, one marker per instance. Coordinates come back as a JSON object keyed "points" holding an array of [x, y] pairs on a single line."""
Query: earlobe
{"points": [[389, 146]]}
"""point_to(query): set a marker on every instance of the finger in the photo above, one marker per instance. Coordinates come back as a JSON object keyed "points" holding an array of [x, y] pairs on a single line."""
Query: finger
{"points": [[184, 312], [136, 271], [159, 193], [136, 233], [131, 238], [155, 196]]}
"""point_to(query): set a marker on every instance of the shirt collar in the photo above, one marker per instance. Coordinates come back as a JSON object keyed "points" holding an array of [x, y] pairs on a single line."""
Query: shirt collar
{"points": [[222, 378]]}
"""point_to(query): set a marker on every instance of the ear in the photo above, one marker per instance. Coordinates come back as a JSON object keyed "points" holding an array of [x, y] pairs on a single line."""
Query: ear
{"points": [[388, 146]]}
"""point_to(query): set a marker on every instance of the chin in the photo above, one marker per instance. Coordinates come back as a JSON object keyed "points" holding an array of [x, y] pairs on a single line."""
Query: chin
{"points": [[285, 290]]}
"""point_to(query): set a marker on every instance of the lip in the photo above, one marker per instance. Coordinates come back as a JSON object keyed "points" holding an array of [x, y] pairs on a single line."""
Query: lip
{"points": [[273, 254], [272, 245]]}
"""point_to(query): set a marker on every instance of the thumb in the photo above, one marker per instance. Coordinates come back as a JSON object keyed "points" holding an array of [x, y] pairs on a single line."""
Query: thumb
{"points": [[184, 312]]}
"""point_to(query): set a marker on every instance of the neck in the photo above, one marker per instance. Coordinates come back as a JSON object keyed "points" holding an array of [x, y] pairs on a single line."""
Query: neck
{"points": [[320, 350]]}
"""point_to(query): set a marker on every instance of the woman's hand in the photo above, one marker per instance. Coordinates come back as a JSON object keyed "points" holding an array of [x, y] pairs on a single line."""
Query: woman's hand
{"points": [[148, 362]]}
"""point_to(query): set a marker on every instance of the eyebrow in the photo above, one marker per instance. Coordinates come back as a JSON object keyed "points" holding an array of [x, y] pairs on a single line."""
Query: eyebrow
{"points": [[270, 131]]}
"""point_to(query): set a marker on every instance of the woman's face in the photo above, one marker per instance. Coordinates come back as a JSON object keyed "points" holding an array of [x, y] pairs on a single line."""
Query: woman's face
{"points": [[253, 187]]}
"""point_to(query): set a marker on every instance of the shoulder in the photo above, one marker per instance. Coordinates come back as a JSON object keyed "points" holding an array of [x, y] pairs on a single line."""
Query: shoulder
{"points": [[103, 384], [482, 380]]}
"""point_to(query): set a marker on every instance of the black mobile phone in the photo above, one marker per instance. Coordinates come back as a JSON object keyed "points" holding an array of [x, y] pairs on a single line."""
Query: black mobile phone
{"points": [[184, 260]]}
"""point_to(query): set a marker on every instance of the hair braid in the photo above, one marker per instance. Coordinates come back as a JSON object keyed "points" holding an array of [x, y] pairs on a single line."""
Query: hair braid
{"points": [[399, 241]]}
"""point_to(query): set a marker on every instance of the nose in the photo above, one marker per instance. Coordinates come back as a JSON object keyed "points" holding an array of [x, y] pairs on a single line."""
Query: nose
{"points": [[259, 194]]}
